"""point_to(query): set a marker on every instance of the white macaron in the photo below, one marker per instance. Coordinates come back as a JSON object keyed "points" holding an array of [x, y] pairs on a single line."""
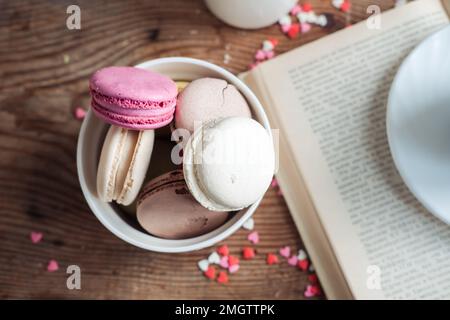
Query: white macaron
{"points": [[124, 161], [228, 163]]}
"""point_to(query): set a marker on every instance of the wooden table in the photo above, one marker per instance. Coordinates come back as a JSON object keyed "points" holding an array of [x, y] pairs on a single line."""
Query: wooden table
{"points": [[44, 71]]}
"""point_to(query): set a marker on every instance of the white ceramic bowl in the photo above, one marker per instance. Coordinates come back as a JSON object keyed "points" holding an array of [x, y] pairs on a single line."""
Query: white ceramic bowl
{"points": [[90, 141]]}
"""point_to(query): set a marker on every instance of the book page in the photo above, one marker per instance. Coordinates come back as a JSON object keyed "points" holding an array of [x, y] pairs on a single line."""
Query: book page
{"points": [[329, 99]]}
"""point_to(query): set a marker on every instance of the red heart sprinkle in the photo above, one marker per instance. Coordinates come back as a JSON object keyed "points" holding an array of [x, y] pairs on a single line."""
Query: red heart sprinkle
{"points": [[210, 273], [223, 250], [313, 278], [345, 7], [274, 41], [315, 290], [271, 259], [232, 260], [307, 7], [303, 264], [248, 253], [293, 30], [223, 277]]}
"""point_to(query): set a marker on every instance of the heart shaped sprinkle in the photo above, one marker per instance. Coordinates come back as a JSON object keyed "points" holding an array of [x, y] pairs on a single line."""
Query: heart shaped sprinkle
{"points": [[307, 7], [285, 252], [305, 27], [274, 183], [309, 292], [36, 237], [248, 253], [249, 224], [270, 54], [223, 277], [274, 42], [214, 258], [52, 266], [232, 260], [224, 262], [285, 21], [260, 55], [292, 261], [79, 113], [303, 264], [203, 265], [337, 3], [223, 250], [345, 7], [296, 9], [302, 255], [271, 259], [210, 273], [267, 45], [234, 268], [285, 28], [313, 278], [253, 237]]}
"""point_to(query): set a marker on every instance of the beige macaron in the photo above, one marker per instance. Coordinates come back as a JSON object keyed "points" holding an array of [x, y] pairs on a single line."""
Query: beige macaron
{"points": [[228, 163], [123, 164]]}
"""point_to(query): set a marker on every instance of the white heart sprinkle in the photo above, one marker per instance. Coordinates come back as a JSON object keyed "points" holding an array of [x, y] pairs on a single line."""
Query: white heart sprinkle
{"points": [[203, 265], [302, 17], [214, 258], [286, 20], [267, 45], [302, 255], [322, 20], [311, 268], [249, 224], [312, 17], [337, 3]]}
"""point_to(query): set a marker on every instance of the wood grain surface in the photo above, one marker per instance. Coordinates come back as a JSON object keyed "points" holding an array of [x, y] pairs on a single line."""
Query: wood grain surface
{"points": [[44, 71]]}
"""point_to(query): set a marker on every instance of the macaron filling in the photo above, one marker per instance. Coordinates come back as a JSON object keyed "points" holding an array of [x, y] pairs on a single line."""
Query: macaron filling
{"points": [[126, 103], [132, 122]]}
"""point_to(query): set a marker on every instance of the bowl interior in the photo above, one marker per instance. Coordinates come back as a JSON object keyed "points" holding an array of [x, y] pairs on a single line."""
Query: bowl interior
{"points": [[90, 142]]}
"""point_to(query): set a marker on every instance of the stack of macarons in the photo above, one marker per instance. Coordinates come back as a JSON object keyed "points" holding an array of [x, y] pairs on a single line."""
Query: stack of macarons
{"points": [[227, 158]]}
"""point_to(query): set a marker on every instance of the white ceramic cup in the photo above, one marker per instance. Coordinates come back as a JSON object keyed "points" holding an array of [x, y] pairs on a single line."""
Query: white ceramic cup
{"points": [[90, 141], [250, 14]]}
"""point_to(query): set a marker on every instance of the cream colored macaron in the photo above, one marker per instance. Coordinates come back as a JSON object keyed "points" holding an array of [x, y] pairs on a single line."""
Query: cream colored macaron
{"points": [[228, 164], [124, 161]]}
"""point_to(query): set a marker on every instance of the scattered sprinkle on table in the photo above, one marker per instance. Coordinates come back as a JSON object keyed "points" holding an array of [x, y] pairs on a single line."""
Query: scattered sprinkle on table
{"points": [[36, 236], [52, 266]]}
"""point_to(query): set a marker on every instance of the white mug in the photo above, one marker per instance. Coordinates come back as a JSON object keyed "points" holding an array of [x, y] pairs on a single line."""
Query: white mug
{"points": [[250, 14]]}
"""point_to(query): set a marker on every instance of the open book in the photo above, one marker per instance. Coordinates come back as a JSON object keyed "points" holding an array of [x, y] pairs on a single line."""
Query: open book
{"points": [[367, 236]]}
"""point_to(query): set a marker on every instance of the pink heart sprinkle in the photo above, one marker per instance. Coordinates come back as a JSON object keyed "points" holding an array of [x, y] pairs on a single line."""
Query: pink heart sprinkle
{"points": [[293, 261], [305, 27], [260, 55], [274, 183], [270, 54], [234, 268], [309, 292], [285, 28], [253, 237], [224, 262], [79, 113], [52, 266], [36, 237], [295, 10], [285, 252]]}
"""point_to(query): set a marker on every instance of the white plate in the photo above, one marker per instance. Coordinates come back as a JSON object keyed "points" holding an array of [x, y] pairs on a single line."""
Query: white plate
{"points": [[418, 123]]}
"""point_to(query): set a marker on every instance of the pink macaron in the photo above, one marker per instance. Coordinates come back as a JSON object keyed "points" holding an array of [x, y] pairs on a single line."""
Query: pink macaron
{"points": [[133, 98]]}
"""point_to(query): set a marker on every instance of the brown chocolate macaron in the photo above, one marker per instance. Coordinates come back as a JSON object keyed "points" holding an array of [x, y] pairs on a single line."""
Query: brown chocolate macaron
{"points": [[166, 209]]}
